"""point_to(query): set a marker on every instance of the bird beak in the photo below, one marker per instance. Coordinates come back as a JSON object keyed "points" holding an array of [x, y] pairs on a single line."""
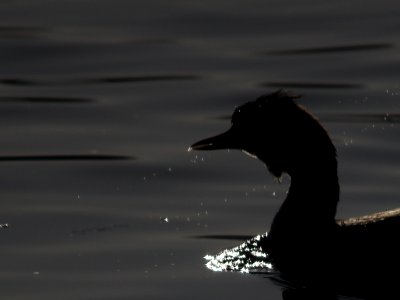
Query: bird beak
{"points": [[224, 140]]}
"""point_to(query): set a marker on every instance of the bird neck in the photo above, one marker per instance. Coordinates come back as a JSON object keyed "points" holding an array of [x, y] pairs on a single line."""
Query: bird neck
{"points": [[311, 201]]}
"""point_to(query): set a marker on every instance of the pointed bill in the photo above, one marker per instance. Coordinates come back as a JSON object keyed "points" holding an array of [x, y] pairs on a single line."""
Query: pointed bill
{"points": [[224, 140]]}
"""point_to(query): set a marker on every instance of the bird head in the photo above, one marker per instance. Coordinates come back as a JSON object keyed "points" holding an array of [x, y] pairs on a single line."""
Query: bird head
{"points": [[274, 129]]}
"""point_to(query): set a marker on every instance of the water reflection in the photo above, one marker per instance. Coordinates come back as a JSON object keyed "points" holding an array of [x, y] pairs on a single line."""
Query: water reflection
{"points": [[97, 229], [245, 258], [149, 78], [103, 80], [312, 85], [17, 82], [45, 99]]}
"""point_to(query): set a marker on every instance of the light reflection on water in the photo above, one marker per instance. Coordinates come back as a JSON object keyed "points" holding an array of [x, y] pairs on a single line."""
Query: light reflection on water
{"points": [[245, 258]]}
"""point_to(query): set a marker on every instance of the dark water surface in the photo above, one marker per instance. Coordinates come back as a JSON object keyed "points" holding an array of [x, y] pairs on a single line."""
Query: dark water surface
{"points": [[99, 101]]}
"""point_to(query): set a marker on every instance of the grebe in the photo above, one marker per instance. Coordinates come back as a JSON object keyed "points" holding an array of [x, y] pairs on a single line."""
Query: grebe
{"points": [[305, 242]]}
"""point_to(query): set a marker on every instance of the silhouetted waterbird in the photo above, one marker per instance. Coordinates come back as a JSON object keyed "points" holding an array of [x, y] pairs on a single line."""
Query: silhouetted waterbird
{"points": [[305, 242]]}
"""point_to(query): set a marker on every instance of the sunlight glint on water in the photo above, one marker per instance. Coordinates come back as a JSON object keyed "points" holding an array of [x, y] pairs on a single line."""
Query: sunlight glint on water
{"points": [[245, 258]]}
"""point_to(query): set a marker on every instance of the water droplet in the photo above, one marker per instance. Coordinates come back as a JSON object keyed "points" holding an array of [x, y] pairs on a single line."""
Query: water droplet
{"points": [[4, 226]]}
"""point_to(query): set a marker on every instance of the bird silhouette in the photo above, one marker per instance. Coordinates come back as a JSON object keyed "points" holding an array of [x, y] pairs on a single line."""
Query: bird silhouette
{"points": [[306, 243]]}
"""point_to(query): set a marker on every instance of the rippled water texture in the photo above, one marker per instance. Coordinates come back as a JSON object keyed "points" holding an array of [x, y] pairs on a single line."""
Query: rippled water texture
{"points": [[99, 101]]}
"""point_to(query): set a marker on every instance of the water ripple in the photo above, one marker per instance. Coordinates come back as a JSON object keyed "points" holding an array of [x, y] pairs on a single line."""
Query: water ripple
{"points": [[347, 118], [64, 157], [333, 49], [361, 118], [248, 257], [19, 31], [223, 237]]}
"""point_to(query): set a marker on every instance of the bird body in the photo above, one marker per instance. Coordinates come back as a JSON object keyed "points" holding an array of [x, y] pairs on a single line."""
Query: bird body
{"points": [[306, 243]]}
